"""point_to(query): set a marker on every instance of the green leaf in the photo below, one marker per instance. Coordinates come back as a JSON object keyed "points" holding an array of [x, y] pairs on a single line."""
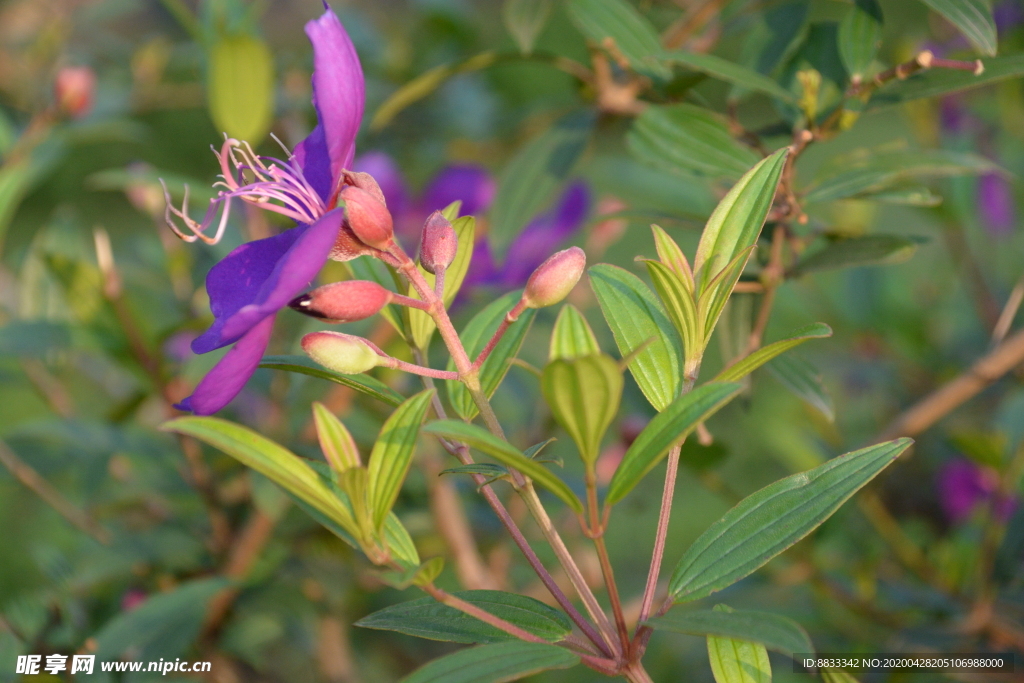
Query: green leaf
{"points": [[688, 139], [241, 87], [16, 178], [420, 323], [738, 661], [860, 34], [747, 365], [936, 82], [525, 19], [737, 220], [364, 384], [730, 72], [505, 453], [430, 570], [534, 176], [496, 663], [33, 338], [269, 459], [392, 454], [973, 18], [771, 520], [164, 626], [632, 34], [635, 318], [584, 395], [337, 444], [425, 84], [487, 469], [775, 632], [681, 307], [911, 196], [427, 618], [399, 542], [868, 250], [869, 172], [667, 429], [475, 337], [572, 336], [804, 380]]}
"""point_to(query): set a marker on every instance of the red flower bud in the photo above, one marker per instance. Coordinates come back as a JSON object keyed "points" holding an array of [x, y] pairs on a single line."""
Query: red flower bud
{"points": [[342, 353], [74, 89], [365, 182], [343, 302], [438, 243], [555, 278], [368, 218]]}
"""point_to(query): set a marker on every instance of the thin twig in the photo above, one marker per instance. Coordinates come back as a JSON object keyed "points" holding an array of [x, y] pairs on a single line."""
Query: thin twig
{"points": [[679, 32], [1008, 313]]}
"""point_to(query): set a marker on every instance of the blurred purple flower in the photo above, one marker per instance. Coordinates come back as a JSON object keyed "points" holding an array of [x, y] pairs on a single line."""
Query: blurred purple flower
{"points": [[995, 204], [963, 485], [259, 278], [1008, 15], [475, 187]]}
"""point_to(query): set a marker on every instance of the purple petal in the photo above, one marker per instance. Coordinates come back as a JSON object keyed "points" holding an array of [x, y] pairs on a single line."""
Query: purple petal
{"points": [[1008, 15], [995, 203], [545, 233], [962, 487], [384, 170], [339, 93], [259, 278], [482, 269], [226, 379], [471, 184]]}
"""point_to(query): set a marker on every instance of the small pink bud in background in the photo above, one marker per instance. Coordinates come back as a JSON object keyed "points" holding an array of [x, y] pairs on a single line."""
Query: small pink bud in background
{"points": [[555, 278], [343, 302], [342, 353], [368, 218], [75, 89], [438, 243]]}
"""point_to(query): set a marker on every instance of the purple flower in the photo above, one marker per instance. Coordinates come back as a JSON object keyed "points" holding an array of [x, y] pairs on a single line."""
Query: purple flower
{"points": [[963, 485], [259, 278], [475, 187], [995, 204]]}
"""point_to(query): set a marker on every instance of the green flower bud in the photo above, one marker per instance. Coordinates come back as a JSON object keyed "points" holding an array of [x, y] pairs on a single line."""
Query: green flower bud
{"points": [[342, 353]]}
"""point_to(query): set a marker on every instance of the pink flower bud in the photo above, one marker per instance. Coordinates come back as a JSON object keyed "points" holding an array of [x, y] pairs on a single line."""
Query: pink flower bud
{"points": [[342, 353], [343, 302], [368, 218], [365, 182], [74, 88], [555, 278], [438, 243]]}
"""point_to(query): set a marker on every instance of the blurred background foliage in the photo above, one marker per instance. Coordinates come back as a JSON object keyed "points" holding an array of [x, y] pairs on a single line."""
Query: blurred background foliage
{"points": [[115, 534]]}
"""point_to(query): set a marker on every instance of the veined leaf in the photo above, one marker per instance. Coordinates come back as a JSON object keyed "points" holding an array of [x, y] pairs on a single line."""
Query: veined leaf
{"points": [[241, 87], [364, 384], [860, 34], [717, 291], [672, 256], [507, 454], [681, 307], [495, 663], [804, 380], [867, 250], [534, 176], [572, 336], [398, 541], [667, 429], [475, 337], [525, 19], [421, 324], [690, 139], [737, 220], [936, 82], [635, 318], [747, 365], [730, 72], [771, 520], [738, 661], [336, 442], [392, 454], [775, 632], [427, 618], [584, 395], [632, 35], [487, 469], [973, 18]]}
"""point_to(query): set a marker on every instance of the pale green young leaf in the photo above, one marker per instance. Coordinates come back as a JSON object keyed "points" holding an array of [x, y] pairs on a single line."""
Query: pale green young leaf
{"points": [[427, 618], [667, 429], [804, 380], [860, 34], [618, 21], [771, 520], [364, 384], [973, 18], [730, 72], [748, 364], [337, 444], [507, 454], [681, 307], [688, 139], [430, 570], [584, 395], [494, 663], [240, 87], [525, 19], [774, 631], [736, 222], [672, 256], [392, 454], [637, 320], [572, 336], [717, 291], [421, 324], [738, 661], [355, 483], [398, 541]]}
